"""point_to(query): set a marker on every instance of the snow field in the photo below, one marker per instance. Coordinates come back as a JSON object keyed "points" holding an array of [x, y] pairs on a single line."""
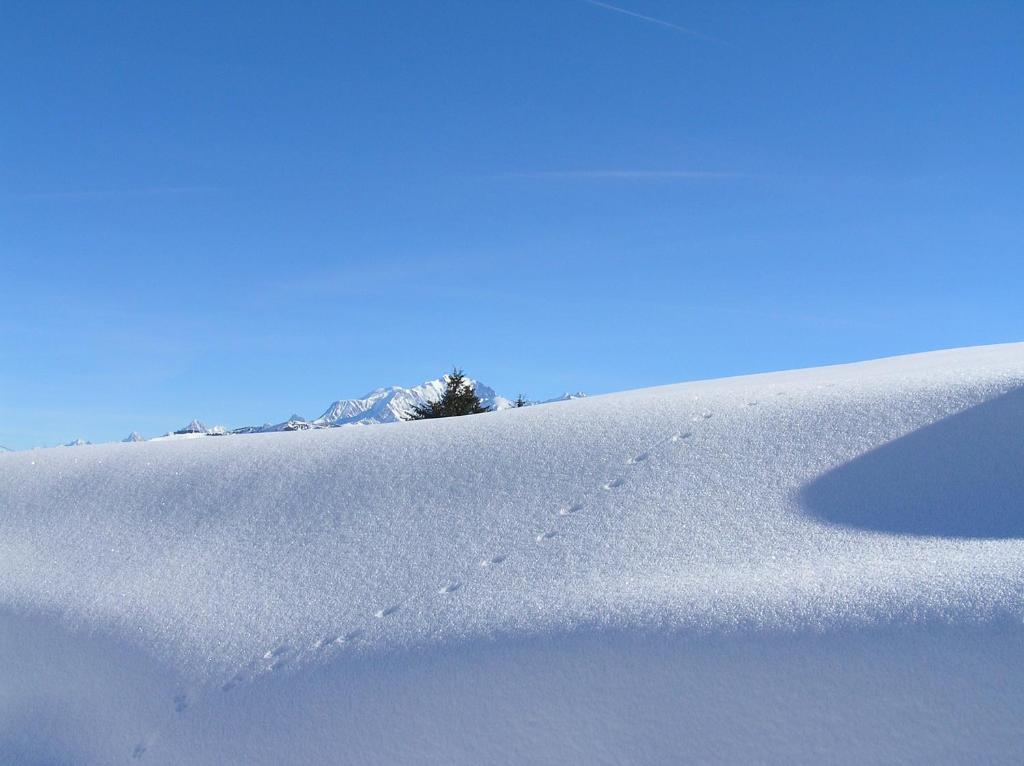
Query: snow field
{"points": [[680, 571]]}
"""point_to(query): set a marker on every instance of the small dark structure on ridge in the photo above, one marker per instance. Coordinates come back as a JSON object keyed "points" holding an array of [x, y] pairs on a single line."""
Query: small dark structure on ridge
{"points": [[459, 398]]}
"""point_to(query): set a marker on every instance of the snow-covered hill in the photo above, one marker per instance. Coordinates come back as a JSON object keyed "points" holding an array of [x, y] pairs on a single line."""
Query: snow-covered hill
{"points": [[815, 566]]}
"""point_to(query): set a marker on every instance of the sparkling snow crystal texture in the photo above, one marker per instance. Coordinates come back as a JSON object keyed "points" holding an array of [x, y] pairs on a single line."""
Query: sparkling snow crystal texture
{"points": [[823, 565]]}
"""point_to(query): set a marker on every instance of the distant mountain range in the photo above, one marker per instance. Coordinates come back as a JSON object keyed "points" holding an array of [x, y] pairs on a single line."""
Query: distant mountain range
{"points": [[382, 405]]}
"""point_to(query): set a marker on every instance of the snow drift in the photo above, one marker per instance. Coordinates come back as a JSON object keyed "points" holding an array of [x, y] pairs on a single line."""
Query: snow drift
{"points": [[819, 565]]}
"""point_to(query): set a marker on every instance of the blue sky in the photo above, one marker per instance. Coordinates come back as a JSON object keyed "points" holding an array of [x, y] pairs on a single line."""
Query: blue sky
{"points": [[235, 211]]}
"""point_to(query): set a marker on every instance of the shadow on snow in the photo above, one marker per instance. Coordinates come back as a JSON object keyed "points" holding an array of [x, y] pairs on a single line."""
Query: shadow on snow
{"points": [[962, 476]]}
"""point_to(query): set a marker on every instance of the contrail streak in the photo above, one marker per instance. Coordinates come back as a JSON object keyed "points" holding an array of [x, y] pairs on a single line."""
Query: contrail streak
{"points": [[631, 175], [653, 20]]}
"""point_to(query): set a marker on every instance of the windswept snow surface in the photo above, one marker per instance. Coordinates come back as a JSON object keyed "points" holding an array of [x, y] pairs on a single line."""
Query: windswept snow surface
{"points": [[815, 566]]}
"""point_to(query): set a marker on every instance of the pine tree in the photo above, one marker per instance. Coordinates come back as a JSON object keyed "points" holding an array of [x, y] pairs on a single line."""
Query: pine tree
{"points": [[520, 401], [459, 398]]}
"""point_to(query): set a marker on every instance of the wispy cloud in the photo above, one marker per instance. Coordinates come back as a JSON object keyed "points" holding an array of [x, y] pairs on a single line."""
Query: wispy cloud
{"points": [[630, 175], [89, 194], [651, 19]]}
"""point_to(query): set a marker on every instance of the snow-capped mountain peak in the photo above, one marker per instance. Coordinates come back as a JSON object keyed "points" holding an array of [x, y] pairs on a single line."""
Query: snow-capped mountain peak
{"points": [[382, 405], [388, 405]]}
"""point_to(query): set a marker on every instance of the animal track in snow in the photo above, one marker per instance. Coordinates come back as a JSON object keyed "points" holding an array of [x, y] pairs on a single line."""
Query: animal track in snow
{"points": [[337, 640], [276, 652], [138, 751], [323, 643], [282, 654]]}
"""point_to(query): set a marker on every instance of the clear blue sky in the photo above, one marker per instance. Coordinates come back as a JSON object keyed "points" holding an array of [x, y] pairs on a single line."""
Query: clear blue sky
{"points": [[234, 211]]}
